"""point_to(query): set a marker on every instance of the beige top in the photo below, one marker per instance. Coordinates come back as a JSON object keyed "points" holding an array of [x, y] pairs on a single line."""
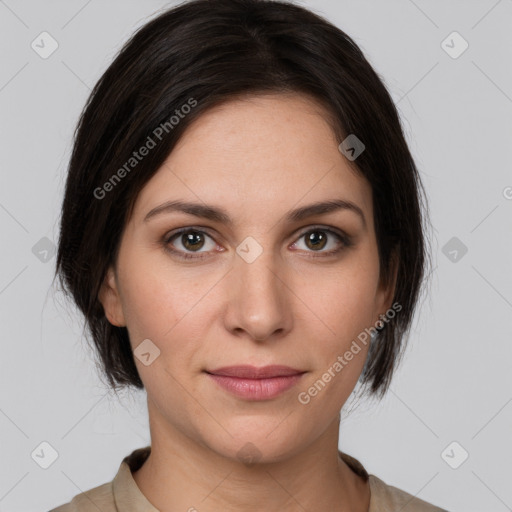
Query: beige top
{"points": [[123, 495]]}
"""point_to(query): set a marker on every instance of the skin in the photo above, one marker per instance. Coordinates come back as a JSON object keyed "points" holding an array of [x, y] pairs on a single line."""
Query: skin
{"points": [[257, 158]]}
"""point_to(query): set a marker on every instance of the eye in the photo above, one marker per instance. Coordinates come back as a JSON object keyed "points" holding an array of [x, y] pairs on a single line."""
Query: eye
{"points": [[190, 240], [187, 242], [318, 238]]}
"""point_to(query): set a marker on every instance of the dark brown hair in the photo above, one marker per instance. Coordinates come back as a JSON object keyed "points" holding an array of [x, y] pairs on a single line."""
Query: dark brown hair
{"points": [[203, 53]]}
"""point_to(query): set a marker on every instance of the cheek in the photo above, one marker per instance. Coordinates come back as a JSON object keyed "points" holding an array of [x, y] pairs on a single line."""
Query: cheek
{"points": [[344, 300], [171, 310], [149, 310], [155, 296], [344, 307]]}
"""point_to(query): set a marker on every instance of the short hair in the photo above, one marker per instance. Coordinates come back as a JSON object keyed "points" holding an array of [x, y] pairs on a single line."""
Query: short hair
{"points": [[203, 53]]}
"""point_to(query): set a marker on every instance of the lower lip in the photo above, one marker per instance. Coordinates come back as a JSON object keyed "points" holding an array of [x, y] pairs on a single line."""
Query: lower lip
{"points": [[256, 389]]}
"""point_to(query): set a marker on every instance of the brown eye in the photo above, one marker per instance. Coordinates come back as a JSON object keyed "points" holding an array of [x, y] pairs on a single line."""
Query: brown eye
{"points": [[186, 242], [192, 241], [316, 240]]}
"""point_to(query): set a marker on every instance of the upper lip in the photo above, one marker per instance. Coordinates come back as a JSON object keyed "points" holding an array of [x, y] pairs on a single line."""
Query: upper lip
{"points": [[253, 372]]}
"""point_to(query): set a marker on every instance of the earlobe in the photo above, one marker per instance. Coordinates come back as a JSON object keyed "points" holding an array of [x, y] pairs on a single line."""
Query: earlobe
{"points": [[110, 299]]}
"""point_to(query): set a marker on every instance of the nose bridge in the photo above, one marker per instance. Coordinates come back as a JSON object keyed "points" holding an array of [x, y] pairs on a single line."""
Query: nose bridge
{"points": [[256, 268]]}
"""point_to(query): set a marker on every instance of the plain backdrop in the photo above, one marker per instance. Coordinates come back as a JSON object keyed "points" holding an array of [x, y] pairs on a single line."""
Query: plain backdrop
{"points": [[444, 430]]}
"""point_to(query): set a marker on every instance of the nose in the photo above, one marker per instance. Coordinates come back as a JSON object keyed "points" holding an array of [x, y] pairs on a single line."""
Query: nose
{"points": [[260, 301]]}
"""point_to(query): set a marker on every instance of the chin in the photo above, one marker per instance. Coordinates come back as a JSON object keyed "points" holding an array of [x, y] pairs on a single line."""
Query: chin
{"points": [[256, 445]]}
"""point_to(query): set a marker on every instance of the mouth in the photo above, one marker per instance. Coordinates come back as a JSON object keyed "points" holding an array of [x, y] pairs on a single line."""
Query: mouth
{"points": [[252, 383], [253, 372]]}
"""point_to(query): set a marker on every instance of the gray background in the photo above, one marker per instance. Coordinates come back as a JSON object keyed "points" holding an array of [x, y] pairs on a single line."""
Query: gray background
{"points": [[456, 383]]}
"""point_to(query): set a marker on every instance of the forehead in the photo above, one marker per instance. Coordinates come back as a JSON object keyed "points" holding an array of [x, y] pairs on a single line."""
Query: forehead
{"points": [[270, 151]]}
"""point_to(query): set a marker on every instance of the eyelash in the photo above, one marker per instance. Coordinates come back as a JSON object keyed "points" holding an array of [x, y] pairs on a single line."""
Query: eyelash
{"points": [[344, 239]]}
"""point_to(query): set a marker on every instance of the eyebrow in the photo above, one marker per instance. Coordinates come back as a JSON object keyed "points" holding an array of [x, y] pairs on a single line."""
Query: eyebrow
{"points": [[217, 214]]}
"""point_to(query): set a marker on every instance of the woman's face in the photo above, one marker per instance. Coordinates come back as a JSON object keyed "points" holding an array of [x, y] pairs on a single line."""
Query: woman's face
{"points": [[263, 288]]}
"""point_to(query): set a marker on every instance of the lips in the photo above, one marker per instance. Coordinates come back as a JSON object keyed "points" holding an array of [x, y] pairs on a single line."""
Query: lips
{"points": [[253, 372], [252, 383]]}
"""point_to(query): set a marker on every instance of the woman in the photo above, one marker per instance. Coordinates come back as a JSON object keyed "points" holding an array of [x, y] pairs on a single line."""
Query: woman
{"points": [[242, 229]]}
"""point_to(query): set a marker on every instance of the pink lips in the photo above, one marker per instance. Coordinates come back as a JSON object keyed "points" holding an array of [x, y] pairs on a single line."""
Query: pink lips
{"points": [[256, 383]]}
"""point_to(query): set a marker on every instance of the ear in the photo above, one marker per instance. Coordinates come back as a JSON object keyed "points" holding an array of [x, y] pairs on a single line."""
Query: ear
{"points": [[386, 293], [111, 300]]}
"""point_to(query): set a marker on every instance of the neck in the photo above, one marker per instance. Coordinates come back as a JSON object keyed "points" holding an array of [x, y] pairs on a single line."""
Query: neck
{"points": [[182, 474]]}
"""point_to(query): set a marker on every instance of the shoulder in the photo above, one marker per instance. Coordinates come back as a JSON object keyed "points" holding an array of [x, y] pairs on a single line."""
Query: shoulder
{"points": [[97, 498], [387, 498], [121, 490]]}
